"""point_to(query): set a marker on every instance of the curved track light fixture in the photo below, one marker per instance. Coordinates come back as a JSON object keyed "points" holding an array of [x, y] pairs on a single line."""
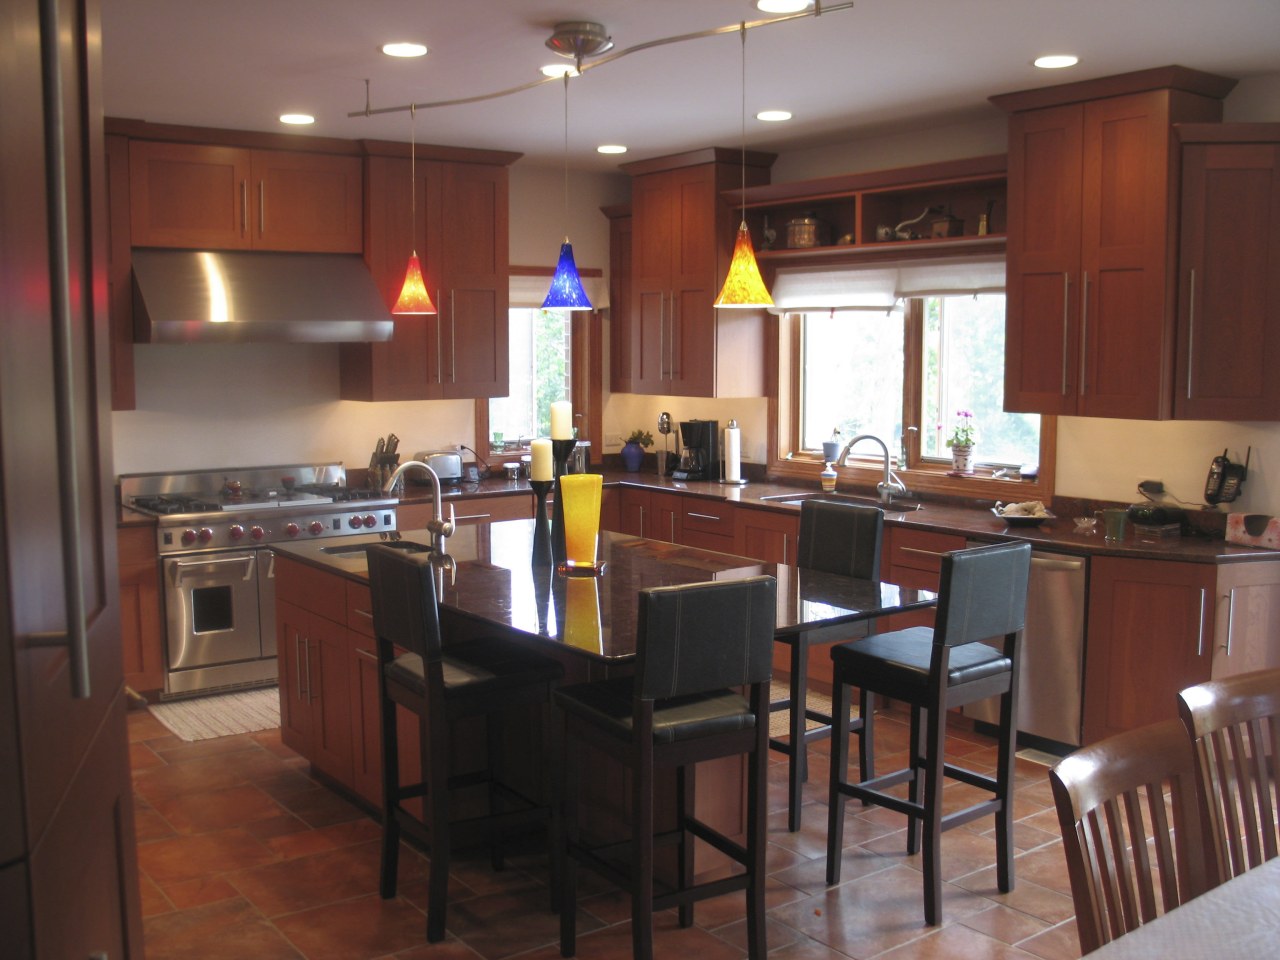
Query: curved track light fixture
{"points": [[577, 39]]}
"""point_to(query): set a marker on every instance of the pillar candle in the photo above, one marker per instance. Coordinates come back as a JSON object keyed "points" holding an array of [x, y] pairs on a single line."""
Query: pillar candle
{"points": [[561, 420], [540, 463]]}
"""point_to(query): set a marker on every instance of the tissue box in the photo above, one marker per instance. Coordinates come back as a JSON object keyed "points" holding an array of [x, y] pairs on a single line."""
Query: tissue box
{"points": [[1254, 530]]}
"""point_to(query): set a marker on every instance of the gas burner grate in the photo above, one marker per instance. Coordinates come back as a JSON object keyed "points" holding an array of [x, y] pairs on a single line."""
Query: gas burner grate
{"points": [[166, 504]]}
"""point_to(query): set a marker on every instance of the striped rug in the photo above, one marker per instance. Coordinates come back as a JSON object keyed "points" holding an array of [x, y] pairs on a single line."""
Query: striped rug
{"points": [[223, 715]]}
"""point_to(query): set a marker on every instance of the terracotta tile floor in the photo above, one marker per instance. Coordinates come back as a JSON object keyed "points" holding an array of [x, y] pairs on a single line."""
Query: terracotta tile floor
{"points": [[242, 855]]}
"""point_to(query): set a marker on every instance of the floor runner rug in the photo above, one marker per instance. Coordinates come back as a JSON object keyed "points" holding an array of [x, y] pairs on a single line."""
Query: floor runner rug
{"points": [[203, 718]]}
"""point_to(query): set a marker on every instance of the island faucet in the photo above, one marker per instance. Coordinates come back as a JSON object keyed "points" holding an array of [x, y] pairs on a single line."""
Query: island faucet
{"points": [[437, 525], [891, 484]]}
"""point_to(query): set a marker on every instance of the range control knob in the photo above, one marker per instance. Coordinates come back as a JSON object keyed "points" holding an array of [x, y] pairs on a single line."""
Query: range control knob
{"points": [[205, 535], [291, 529], [188, 537], [355, 521], [370, 520], [236, 531], [257, 533], [315, 528]]}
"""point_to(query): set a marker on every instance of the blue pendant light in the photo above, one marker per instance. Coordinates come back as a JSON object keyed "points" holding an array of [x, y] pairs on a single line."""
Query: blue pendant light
{"points": [[566, 291]]}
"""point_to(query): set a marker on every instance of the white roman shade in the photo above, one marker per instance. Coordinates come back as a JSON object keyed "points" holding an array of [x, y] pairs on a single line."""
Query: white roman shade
{"points": [[531, 291], [883, 286]]}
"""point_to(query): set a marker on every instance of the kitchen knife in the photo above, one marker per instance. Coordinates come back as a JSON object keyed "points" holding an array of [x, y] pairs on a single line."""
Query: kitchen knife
{"points": [[393, 443], [381, 448]]}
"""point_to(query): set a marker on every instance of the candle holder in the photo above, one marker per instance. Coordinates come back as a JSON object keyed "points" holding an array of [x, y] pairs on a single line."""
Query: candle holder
{"points": [[560, 450], [541, 529], [543, 593]]}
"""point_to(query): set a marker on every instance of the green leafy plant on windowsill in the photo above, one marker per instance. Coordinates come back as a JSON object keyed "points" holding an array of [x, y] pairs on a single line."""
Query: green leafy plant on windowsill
{"points": [[642, 437]]}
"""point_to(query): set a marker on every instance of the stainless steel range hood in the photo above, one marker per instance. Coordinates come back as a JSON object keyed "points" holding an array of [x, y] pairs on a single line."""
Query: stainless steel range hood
{"points": [[189, 296]]}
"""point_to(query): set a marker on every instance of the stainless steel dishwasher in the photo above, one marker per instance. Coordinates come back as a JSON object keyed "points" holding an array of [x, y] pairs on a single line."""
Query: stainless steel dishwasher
{"points": [[1051, 684]]}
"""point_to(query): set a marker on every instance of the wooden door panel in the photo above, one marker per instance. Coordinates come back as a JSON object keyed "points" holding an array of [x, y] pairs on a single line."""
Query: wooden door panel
{"points": [[650, 338], [330, 699], [366, 737], [1040, 349], [295, 710], [474, 330], [306, 202], [188, 195], [1123, 354]]}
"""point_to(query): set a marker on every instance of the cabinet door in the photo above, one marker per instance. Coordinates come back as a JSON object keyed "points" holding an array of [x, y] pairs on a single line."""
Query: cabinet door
{"points": [[1246, 635], [649, 337], [471, 253], [766, 535], [1043, 265], [329, 667], [1150, 635], [663, 520], [141, 625], [694, 284], [306, 202], [1126, 365], [189, 195], [633, 511], [295, 702], [1229, 304], [366, 739]]}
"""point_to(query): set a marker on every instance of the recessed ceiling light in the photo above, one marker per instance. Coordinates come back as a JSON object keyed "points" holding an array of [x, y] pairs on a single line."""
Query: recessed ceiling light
{"points": [[558, 70], [611, 148], [298, 119], [783, 6], [404, 49], [1055, 61], [773, 116]]}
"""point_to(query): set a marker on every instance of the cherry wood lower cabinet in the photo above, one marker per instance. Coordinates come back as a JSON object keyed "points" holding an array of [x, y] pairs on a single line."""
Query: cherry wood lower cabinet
{"points": [[141, 621], [766, 534], [913, 558], [650, 513], [468, 510], [1156, 627]]}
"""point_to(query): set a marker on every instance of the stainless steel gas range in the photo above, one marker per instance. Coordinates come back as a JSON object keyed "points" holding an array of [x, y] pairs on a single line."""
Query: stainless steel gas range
{"points": [[214, 531]]}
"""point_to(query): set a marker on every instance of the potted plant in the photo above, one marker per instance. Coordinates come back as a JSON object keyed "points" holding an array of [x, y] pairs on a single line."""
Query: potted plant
{"points": [[633, 449], [963, 436]]}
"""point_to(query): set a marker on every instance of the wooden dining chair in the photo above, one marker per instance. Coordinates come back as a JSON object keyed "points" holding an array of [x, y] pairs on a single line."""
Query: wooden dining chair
{"points": [[839, 538], [1234, 725], [698, 646], [1119, 801], [982, 596], [481, 677]]}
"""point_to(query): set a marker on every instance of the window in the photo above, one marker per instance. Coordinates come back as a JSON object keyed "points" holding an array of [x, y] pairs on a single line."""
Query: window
{"points": [[540, 373], [872, 371]]}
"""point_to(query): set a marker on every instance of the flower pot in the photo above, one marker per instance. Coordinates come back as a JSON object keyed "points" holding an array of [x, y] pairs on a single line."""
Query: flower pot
{"points": [[632, 455], [962, 458]]}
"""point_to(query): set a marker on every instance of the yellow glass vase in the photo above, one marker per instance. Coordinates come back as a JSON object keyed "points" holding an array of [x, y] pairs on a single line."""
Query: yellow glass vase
{"points": [[581, 493]]}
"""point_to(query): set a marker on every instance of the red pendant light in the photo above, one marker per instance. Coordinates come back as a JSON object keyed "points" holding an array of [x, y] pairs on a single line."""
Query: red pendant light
{"points": [[414, 299]]}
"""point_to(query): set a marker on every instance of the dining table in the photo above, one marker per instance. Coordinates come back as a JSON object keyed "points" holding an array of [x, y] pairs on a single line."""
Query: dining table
{"points": [[1236, 920]]}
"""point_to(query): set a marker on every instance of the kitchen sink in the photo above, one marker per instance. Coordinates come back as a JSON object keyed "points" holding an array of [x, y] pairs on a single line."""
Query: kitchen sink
{"points": [[795, 499], [345, 551]]}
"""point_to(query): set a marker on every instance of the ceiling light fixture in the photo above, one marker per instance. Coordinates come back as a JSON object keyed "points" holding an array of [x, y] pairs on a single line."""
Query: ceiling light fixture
{"points": [[557, 70], [744, 287], [414, 299], [566, 291], [611, 148], [773, 116], [1055, 61], [783, 6], [404, 49], [297, 119], [579, 38]]}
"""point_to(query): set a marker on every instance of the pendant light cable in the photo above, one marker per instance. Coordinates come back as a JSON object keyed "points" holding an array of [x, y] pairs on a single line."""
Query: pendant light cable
{"points": [[566, 291], [414, 299], [566, 155]]}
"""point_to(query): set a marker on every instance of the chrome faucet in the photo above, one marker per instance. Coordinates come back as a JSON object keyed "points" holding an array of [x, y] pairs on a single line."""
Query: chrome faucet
{"points": [[439, 527], [891, 484]]}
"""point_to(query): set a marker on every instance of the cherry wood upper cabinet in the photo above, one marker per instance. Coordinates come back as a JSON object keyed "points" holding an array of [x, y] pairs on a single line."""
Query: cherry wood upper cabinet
{"points": [[231, 198], [1092, 241], [682, 234], [1229, 273], [455, 216]]}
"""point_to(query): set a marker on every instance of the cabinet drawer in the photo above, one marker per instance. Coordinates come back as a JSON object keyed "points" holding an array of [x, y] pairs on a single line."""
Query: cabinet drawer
{"points": [[359, 609], [706, 516], [310, 589], [493, 509], [920, 550]]}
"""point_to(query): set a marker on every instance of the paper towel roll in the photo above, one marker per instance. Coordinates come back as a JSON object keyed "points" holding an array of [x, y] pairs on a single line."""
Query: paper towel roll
{"points": [[732, 453]]}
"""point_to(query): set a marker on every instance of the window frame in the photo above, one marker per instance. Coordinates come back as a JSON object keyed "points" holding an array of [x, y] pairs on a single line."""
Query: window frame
{"points": [[786, 462]]}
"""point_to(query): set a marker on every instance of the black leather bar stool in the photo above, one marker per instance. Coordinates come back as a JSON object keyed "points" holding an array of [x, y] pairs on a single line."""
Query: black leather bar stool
{"points": [[480, 677], [697, 644], [834, 538], [982, 596]]}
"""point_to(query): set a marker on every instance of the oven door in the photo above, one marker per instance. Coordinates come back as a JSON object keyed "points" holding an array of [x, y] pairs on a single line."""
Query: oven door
{"points": [[212, 608]]}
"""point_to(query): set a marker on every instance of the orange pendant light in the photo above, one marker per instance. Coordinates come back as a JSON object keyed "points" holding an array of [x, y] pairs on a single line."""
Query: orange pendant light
{"points": [[414, 299]]}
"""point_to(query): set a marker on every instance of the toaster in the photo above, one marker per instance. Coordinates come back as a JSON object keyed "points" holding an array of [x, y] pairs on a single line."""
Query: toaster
{"points": [[447, 465]]}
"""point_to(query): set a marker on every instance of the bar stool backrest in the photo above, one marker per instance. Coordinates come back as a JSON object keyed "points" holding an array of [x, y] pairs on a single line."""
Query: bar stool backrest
{"points": [[982, 593], [403, 587], [840, 538]]}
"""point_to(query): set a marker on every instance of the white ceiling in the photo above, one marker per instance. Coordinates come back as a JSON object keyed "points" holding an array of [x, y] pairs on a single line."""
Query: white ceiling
{"points": [[884, 65]]}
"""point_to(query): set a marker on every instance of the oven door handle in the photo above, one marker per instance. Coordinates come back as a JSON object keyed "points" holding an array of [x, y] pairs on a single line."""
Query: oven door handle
{"points": [[178, 566]]}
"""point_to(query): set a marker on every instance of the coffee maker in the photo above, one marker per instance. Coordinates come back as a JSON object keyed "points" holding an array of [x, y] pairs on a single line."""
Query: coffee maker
{"points": [[699, 451]]}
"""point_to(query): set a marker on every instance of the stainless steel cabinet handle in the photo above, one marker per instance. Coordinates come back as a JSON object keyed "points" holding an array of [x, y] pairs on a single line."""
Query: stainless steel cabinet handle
{"points": [[453, 338], [643, 529], [705, 516], [368, 614], [673, 526], [297, 663], [244, 206], [671, 340], [786, 541], [473, 516], [1066, 304], [662, 332], [306, 643], [262, 208], [1191, 329], [1084, 335], [923, 553], [1200, 641], [1231, 616], [75, 636], [439, 352], [360, 651]]}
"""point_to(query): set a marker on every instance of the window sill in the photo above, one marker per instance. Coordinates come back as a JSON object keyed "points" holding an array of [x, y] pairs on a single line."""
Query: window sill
{"points": [[935, 480]]}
